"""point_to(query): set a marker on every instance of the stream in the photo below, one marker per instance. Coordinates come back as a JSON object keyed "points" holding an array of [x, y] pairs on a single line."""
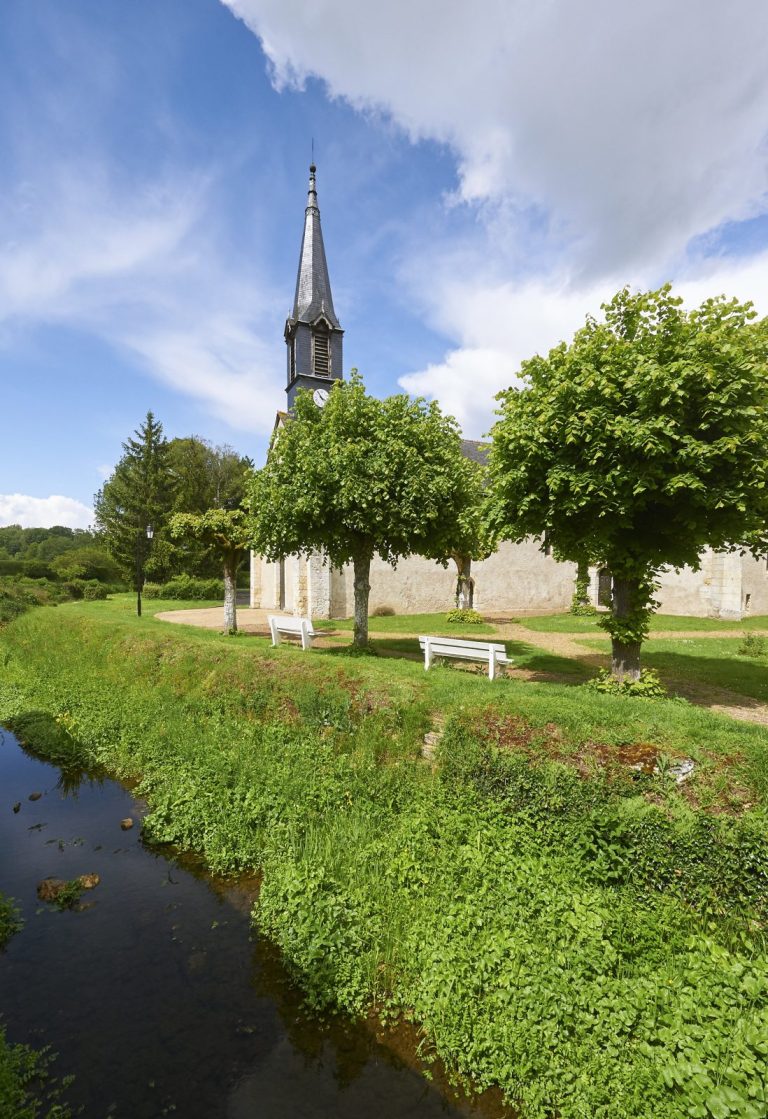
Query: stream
{"points": [[158, 994]]}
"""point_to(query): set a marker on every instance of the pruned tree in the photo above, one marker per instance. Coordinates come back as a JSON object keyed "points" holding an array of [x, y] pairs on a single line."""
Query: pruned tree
{"points": [[361, 476], [225, 531], [642, 442]]}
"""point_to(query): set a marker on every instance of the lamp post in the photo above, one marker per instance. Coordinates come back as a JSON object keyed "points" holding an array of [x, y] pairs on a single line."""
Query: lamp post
{"points": [[150, 532]]}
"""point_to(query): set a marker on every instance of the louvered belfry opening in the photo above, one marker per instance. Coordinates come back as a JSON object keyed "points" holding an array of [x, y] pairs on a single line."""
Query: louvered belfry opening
{"points": [[321, 364]]}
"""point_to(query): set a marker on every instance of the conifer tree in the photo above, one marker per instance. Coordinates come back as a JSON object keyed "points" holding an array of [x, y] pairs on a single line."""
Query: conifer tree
{"points": [[137, 495]]}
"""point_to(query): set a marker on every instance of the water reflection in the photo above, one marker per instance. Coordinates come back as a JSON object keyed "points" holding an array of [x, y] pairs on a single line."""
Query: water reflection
{"points": [[159, 996]]}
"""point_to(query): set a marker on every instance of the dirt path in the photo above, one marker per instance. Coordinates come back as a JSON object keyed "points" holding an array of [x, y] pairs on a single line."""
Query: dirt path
{"points": [[570, 645], [723, 701]]}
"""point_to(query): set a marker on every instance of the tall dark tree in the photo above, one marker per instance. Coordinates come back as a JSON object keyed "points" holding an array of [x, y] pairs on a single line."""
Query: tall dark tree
{"points": [[138, 494]]}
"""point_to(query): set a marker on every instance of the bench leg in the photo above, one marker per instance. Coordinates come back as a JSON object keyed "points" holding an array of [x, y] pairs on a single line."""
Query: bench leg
{"points": [[492, 665], [275, 633], [427, 655], [305, 642]]}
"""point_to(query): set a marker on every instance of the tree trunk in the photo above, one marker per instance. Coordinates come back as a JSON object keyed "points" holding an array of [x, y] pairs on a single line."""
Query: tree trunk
{"points": [[362, 568], [625, 655], [230, 594], [465, 584], [581, 592]]}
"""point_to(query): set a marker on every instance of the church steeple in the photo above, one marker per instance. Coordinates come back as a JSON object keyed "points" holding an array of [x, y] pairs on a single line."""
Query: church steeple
{"points": [[313, 334]]}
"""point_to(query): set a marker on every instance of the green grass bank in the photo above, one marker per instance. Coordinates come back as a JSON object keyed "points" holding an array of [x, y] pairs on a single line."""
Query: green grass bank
{"points": [[586, 935]]}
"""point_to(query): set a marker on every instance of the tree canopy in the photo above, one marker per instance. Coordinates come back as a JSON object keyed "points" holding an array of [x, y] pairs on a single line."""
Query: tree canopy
{"points": [[156, 478], [225, 531], [137, 494], [359, 476], [638, 445]]}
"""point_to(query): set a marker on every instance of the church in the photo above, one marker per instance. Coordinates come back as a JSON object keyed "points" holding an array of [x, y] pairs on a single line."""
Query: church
{"points": [[516, 579]]}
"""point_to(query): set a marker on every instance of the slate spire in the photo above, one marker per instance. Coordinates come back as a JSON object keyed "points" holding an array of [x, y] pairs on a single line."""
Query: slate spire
{"points": [[313, 333], [313, 285]]}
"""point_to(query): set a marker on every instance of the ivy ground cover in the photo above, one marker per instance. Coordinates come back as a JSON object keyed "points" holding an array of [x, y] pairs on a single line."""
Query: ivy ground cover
{"points": [[560, 917]]}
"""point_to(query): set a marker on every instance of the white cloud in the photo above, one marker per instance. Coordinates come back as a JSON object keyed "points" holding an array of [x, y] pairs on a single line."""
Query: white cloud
{"points": [[43, 512], [631, 127], [501, 325], [140, 270]]}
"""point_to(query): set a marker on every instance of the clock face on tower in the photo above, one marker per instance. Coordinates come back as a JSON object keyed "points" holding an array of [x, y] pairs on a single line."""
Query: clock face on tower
{"points": [[320, 396]]}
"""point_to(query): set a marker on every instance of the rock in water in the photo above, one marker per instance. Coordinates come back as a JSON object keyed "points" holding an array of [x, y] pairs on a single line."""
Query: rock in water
{"points": [[35, 796], [89, 881], [50, 888], [126, 824], [17, 806]]}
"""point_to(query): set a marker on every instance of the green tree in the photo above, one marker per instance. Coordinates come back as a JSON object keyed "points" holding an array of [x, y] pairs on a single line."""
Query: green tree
{"points": [[360, 476], [225, 531], [137, 495], [642, 442], [471, 539], [204, 477]]}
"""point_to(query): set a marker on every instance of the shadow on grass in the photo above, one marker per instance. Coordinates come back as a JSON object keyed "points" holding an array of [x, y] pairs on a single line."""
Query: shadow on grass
{"points": [[746, 679], [536, 663]]}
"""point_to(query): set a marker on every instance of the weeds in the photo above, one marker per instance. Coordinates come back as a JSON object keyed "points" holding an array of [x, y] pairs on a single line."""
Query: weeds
{"points": [[578, 934], [752, 645], [10, 920]]}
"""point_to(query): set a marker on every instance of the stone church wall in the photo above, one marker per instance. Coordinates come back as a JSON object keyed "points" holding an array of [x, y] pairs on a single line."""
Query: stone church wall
{"points": [[754, 585], [518, 578]]}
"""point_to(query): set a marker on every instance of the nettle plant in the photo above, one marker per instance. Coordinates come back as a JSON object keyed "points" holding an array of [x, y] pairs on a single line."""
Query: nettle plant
{"points": [[642, 442]]}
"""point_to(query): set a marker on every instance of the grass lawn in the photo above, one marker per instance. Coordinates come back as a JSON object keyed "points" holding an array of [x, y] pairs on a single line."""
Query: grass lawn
{"points": [[583, 716], [433, 624], [704, 660], [524, 656], [569, 623]]}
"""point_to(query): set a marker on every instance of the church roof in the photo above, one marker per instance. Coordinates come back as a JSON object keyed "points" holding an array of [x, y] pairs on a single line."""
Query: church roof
{"points": [[474, 449], [313, 286]]}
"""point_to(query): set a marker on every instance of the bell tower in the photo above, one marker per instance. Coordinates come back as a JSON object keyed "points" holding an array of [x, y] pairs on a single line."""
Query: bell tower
{"points": [[313, 334]]}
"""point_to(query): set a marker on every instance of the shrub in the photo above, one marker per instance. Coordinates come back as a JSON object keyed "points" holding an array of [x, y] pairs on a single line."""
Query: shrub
{"points": [[752, 645], [582, 609], [30, 569], [464, 617], [383, 612], [94, 590], [649, 686], [183, 587], [89, 589], [18, 594]]}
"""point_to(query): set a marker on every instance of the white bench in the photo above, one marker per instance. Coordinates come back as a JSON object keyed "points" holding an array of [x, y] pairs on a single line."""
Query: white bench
{"points": [[292, 627], [494, 654]]}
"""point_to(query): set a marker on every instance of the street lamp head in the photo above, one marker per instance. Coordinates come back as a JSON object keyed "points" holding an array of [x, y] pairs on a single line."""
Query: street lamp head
{"points": [[150, 532]]}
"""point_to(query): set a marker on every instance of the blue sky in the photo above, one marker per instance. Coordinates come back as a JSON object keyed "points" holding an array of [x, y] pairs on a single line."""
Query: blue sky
{"points": [[485, 180]]}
